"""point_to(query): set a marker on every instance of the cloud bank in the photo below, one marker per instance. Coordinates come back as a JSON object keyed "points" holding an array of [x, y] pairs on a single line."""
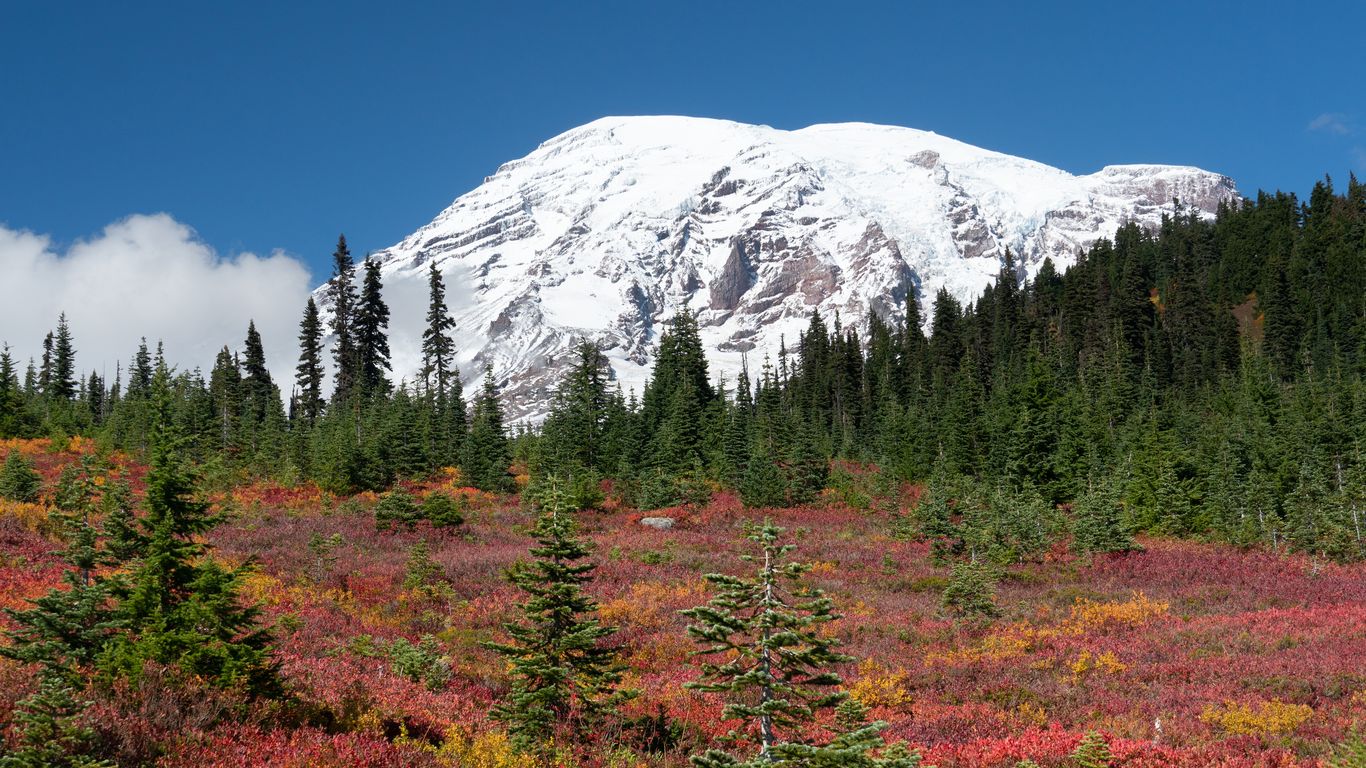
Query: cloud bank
{"points": [[149, 276]]}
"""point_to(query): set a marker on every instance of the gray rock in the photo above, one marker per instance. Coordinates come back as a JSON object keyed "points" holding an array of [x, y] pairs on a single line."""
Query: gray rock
{"points": [[658, 523]]}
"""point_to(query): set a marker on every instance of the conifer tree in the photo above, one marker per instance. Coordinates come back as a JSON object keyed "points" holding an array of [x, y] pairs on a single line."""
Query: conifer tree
{"points": [[63, 633], [438, 348], [371, 328], [258, 391], [183, 607], [487, 457], [19, 481], [573, 434], [45, 369], [767, 655], [62, 385], [1100, 525], [308, 375], [11, 396], [53, 730], [441, 378], [564, 674], [1092, 752], [971, 591], [341, 292], [225, 393]]}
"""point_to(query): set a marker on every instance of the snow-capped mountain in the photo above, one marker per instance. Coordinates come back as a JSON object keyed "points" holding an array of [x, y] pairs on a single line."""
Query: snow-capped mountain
{"points": [[605, 231]]}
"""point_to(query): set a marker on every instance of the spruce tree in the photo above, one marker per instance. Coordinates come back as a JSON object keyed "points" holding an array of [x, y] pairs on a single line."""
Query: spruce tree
{"points": [[45, 369], [766, 652], [308, 375], [225, 394], [371, 328], [438, 348], [62, 633], [53, 730], [486, 456], [19, 481], [1092, 752], [971, 591], [564, 675], [1100, 525], [341, 293], [63, 362], [183, 608], [11, 396]]}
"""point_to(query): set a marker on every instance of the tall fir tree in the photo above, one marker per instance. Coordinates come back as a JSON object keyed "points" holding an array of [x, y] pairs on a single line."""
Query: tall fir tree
{"points": [[308, 375], [341, 293], [371, 330], [183, 608], [765, 652], [487, 456], [565, 676]]}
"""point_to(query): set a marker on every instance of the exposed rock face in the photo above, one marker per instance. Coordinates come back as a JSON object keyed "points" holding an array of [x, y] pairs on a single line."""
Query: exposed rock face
{"points": [[605, 231]]}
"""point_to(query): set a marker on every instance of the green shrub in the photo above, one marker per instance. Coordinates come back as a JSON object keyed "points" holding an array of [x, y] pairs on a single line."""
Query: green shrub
{"points": [[420, 663], [396, 509], [442, 510]]}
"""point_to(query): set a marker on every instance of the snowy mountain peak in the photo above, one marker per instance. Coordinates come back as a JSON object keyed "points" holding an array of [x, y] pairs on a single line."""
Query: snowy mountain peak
{"points": [[604, 231]]}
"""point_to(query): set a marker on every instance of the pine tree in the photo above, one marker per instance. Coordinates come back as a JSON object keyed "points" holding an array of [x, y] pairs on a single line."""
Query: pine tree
{"points": [[183, 607], [62, 385], [486, 456], [11, 396], [564, 675], [771, 661], [308, 375], [19, 481], [371, 327], [1092, 752], [971, 591], [63, 632], [341, 293], [438, 349], [53, 730], [1100, 525]]}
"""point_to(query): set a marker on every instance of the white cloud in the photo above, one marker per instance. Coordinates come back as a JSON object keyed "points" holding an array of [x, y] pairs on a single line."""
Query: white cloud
{"points": [[149, 276], [1330, 122]]}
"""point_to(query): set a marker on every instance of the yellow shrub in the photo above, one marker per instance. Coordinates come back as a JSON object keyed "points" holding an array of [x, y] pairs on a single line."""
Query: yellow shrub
{"points": [[1009, 643], [1137, 610], [1266, 719], [878, 686], [1106, 663], [485, 750], [32, 516], [1032, 714]]}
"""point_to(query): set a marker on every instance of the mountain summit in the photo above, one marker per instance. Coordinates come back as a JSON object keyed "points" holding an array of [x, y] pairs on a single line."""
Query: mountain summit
{"points": [[605, 231]]}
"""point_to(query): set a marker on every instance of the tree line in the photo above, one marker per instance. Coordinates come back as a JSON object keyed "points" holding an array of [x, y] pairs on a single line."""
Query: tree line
{"points": [[1205, 377]]}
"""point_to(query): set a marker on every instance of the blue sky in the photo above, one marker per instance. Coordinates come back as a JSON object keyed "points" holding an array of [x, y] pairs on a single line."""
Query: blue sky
{"points": [[276, 125]]}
